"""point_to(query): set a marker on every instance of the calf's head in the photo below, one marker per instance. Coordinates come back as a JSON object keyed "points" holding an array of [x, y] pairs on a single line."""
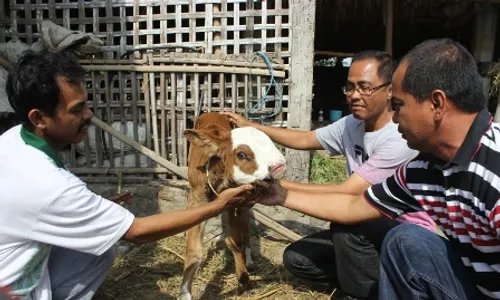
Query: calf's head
{"points": [[246, 154]]}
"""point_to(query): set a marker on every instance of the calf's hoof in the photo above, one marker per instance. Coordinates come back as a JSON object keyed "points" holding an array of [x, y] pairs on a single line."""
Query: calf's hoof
{"points": [[244, 283], [248, 259], [186, 296]]}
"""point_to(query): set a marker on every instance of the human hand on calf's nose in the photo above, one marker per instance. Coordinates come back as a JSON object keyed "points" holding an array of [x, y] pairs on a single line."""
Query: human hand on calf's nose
{"points": [[275, 195]]}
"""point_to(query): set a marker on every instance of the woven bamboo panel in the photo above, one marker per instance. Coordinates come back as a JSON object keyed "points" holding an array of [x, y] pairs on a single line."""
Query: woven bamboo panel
{"points": [[165, 62], [165, 99], [207, 26]]}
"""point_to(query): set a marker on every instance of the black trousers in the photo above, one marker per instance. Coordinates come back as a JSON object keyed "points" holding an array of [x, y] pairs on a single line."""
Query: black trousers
{"points": [[345, 257]]}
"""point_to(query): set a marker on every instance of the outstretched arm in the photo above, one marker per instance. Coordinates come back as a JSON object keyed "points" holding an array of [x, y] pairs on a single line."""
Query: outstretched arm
{"points": [[338, 208], [354, 185], [153, 228]]}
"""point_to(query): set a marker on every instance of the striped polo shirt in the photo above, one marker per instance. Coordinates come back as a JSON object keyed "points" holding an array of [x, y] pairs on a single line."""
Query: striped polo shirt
{"points": [[461, 196]]}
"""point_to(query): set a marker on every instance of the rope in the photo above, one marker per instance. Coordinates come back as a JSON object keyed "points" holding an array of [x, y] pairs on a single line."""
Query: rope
{"points": [[262, 102], [207, 166]]}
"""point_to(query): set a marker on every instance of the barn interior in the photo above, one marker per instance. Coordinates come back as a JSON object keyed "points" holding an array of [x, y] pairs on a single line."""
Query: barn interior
{"points": [[344, 27]]}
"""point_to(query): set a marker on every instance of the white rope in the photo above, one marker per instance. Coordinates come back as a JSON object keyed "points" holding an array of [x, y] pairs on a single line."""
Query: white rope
{"points": [[207, 166]]}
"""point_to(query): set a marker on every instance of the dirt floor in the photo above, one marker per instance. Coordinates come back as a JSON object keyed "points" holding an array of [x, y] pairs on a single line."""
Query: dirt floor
{"points": [[154, 272]]}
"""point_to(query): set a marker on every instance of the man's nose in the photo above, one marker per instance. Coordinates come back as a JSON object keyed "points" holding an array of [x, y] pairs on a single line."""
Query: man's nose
{"points": [[395, 118], [88, 114]]}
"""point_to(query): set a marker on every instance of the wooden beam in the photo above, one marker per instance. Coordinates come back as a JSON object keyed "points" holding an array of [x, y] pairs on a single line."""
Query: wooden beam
{"points": [[180, 69], [333, 53], [483, 41], [389, 25], [114, 171], [303, 14], [182, 172]]}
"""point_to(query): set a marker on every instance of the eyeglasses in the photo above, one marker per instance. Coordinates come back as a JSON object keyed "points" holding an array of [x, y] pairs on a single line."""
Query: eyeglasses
{"points": [[348, 90]]}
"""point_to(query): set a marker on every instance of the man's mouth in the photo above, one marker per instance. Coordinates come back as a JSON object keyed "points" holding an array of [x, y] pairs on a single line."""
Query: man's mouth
{"points": [[84, 126]]}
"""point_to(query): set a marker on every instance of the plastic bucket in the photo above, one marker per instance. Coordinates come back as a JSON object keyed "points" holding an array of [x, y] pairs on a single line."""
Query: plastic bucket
{"points": [[335, 115]]}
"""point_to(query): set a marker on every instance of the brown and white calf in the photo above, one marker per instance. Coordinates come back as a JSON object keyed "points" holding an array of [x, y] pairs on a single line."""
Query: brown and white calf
{"points": [[222, 157]]}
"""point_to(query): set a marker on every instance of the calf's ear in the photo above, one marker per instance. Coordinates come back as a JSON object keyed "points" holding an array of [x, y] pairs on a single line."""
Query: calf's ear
{"points": [[201, 141]]}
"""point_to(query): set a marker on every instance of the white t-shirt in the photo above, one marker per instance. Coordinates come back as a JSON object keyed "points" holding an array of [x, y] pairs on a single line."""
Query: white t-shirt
{"points": [[42, 204]]}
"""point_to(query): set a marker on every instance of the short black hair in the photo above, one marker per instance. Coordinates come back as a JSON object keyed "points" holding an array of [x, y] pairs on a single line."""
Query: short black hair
{"points": [[446, 65], [386, 63], [32, 82]]}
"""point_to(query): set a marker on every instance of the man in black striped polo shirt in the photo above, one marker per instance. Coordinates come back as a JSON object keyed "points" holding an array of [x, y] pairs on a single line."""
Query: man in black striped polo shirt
{"points": [[439, 104]]}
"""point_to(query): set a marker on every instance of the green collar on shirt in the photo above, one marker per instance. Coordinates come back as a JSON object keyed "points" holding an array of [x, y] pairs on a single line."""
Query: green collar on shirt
{"points": [[38, 143]]}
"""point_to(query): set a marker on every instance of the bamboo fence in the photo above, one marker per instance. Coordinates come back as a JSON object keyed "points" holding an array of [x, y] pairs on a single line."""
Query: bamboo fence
{"points": [[163, 63]]}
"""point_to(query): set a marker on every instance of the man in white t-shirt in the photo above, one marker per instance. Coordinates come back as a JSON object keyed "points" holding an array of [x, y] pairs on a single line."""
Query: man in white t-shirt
{"points": [[56, 236], [347, 257]]}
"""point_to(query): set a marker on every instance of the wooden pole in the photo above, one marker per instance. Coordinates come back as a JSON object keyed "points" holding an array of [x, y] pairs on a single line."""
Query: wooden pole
{"points": [[182, 172], [181, 69], [302, 18], [389, 25], [483, 41]]}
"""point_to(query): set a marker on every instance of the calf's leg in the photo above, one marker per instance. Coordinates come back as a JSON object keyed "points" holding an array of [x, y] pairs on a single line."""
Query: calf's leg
{"points": [[238, 232], [194, 256]]}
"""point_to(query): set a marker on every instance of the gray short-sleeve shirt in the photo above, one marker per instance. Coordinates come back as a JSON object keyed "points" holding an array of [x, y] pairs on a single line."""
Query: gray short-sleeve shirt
{"points": [[372, 155]]}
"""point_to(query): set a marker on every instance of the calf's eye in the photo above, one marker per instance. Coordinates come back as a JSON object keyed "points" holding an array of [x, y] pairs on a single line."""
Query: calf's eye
{"points": [[241, 155]]}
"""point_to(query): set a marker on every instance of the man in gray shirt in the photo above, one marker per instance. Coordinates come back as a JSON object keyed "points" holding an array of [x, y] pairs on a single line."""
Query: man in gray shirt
{"points": [[346, 256]]}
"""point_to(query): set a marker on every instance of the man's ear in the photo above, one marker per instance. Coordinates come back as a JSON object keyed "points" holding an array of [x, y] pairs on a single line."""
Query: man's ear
{"points": [[438, 102], [202, 141], [36, 118]]}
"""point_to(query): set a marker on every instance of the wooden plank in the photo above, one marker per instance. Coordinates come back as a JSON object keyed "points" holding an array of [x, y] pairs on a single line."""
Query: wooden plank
{"points": [[209, 92], [141, 148], [135, 26], [278, 22], [234, 92], [122, 115], [97, 113], [301, 82], [124, 170], [163, 116], [147, 110], [247, 92], [187, 69], [333, 53], [184, 121], [173, 117], [135, 111], [222, 91], [154, 112], [196, 88], [249, 30], [109, 115], [236, 18]]}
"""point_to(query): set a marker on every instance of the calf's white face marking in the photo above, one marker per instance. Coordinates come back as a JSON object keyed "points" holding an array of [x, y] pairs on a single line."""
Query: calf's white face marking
{"points": [[266, 155]]}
